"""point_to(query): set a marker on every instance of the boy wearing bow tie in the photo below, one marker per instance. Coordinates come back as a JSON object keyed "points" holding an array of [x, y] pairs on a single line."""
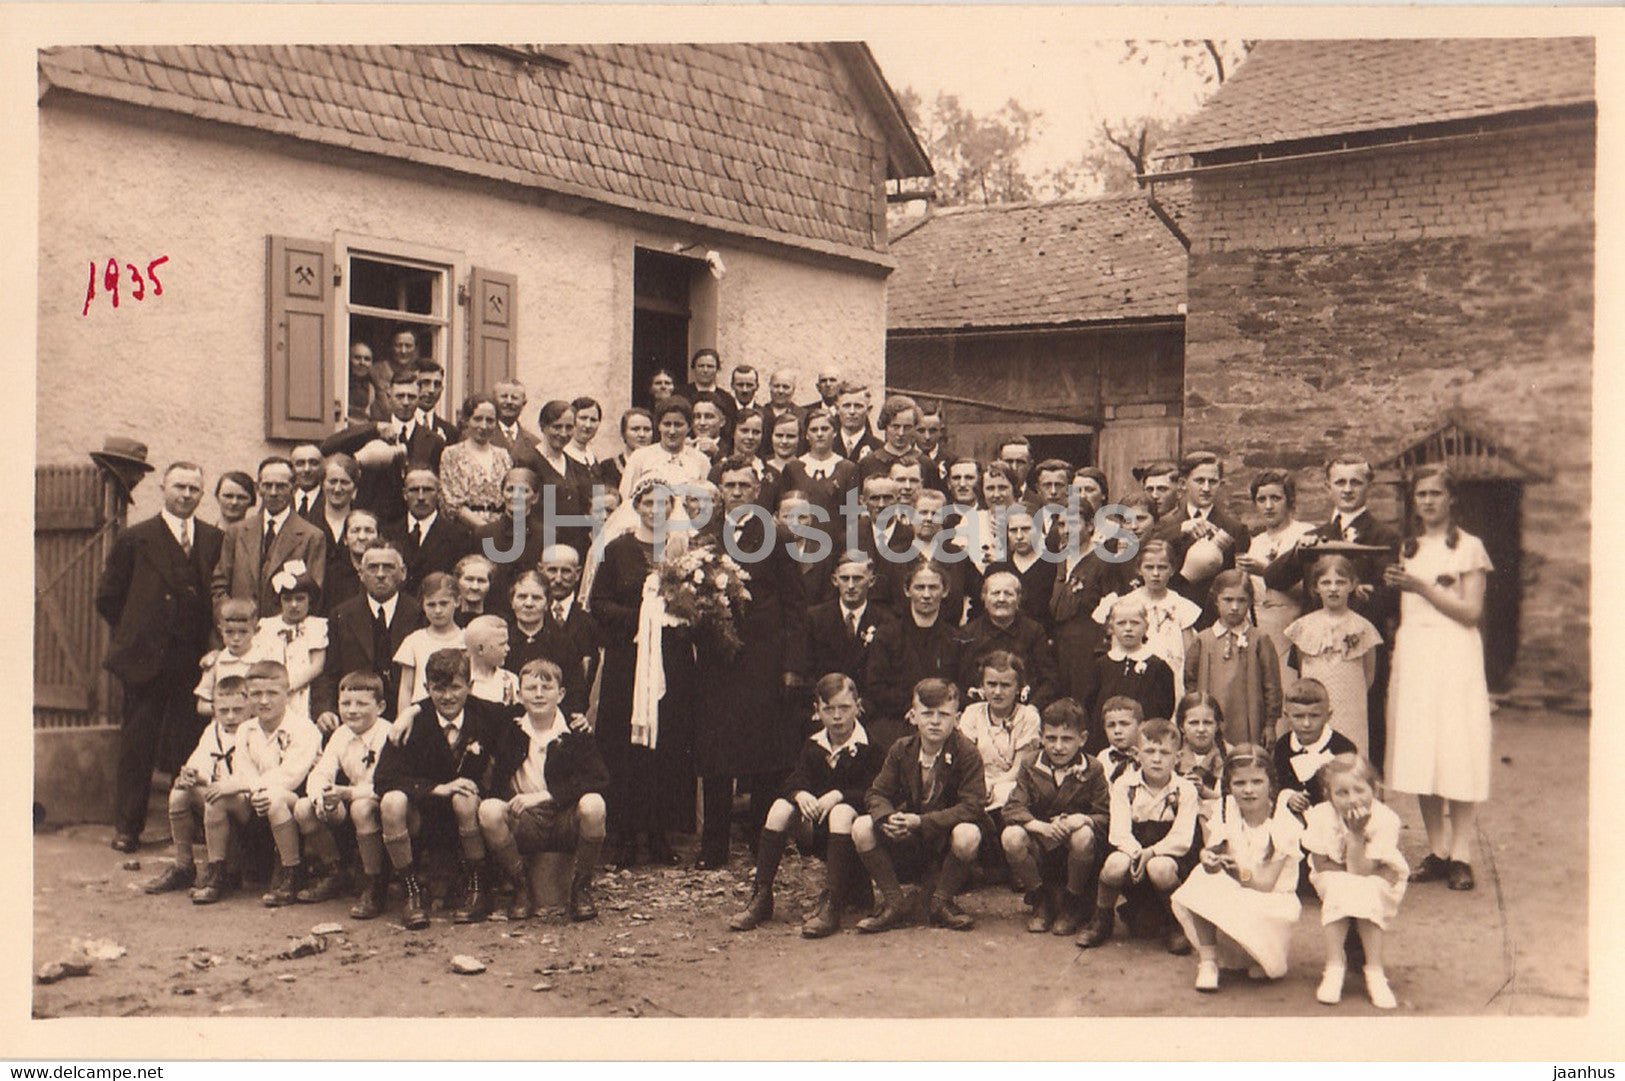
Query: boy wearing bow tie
{"points": [[273, 755], [430, 782], [1309, 743], [210, 763], [1121, 717], [353, 751]]}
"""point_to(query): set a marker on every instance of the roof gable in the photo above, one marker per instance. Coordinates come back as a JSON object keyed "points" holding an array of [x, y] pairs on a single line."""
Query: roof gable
{"points": [[776, 138], [1287, 91], [1073, 261]]}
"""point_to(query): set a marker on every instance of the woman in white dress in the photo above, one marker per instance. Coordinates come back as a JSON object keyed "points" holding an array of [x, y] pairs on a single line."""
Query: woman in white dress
{"points": [[1275, 496], [1438, 699]]}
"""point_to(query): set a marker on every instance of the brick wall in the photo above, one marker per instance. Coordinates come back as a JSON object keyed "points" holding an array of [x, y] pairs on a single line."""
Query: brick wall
{"points": [[1351, 303]]}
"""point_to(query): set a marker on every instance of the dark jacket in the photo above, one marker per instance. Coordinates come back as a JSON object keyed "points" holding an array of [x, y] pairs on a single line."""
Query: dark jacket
{"points": [[1382, 606], [448, 540], [379, 489], [831, 646], [906, 653], [486, 750], [156, 599], [350, 649], [854, 771], [1152, 688], [573, 647], [574, 766], [1037, 586], [1023, 637], [1287, 778], [960, 792], [1171, 529], [1036, 797]]}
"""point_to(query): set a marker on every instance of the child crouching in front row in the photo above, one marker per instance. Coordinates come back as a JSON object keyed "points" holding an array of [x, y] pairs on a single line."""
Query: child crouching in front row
{"points": [[1153, 834], [1240, 906], [354, 751], [1061, 805], [210, 764], [925, 805], [1354, 863], [821, 799], [552, 797]]}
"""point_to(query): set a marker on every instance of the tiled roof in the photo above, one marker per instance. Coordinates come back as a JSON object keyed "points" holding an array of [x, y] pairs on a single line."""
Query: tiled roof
{"points": [[769, 139], [1036, 264], [1290, 90]]}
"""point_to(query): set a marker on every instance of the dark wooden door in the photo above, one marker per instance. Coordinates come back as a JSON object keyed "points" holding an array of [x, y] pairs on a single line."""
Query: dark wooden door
{"points": [[1492, 510]]}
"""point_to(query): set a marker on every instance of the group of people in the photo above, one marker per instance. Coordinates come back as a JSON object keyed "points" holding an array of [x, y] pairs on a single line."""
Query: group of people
{"points": [[418, 634]]}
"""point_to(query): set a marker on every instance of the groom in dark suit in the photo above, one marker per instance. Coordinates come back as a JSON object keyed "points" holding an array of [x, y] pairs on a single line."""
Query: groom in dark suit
{"points": [[154, 594]]}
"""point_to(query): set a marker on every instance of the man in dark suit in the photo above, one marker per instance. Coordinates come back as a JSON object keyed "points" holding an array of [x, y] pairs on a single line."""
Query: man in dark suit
{"points": [[931, 444], [888, 547], [781, 390], [306, 459], [384, 450], [840, 632], [1003, 626], [1349, 480], [512, 435], [255, 549], [364, 632], [1198, 516], [431, 382], [569, 636], [428, 540], [854, 439], [154, 594]]}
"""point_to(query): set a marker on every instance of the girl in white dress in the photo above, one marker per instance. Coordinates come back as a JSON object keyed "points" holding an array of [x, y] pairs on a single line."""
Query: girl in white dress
{"points": [[1275, 496], [1438, 700], [1240, 905], [296, 638], [1337, 646], [1354, 864], [439, 608]]}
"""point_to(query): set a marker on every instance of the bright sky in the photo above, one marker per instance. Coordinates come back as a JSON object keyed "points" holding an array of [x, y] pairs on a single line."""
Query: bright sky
{"points": [[1052, 64]]}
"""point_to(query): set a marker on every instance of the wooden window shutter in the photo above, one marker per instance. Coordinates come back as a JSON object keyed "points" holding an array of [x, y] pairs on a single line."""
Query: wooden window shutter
{"points": [[298, 339], [492, 328]]}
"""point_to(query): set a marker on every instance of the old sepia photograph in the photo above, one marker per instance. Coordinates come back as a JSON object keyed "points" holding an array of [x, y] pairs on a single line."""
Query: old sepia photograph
{"points": [[981, 521]]}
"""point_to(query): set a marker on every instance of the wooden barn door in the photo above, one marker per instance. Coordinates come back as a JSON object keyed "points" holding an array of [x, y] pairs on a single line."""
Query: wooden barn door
{"points": [[77, 512]]}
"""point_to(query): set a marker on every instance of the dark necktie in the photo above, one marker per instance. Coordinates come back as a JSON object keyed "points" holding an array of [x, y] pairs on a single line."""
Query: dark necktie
{"points": [[270, 537], [381, 656], [417, 534], [852, 623]]}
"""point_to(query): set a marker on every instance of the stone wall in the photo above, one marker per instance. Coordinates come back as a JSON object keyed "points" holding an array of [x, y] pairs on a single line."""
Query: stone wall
{"points": [[1355, 303]]}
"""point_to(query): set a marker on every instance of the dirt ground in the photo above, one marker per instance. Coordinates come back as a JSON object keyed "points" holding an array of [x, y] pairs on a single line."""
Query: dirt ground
{"points": [[1517, 945]]}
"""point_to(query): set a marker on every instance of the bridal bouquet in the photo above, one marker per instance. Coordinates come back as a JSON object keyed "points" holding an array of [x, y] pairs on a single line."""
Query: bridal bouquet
{"points": [[704, 588]]}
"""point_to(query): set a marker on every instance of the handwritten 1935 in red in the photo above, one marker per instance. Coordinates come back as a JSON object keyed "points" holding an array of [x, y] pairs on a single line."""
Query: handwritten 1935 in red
{"points": [[111, 275]]}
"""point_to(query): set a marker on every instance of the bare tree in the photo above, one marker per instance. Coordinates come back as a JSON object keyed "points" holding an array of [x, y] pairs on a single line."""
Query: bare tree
{"points": [[977, 158]]}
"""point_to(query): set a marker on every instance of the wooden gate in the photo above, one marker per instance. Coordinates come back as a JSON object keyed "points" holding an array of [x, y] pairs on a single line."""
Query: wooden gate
{"points": [[77, 513]]}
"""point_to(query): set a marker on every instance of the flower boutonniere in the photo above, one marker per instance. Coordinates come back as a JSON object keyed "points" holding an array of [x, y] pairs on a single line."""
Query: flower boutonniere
{"points": [[474, 747], [1351, 642], [1075, 585], [947, 758], [282, 739], [868, 634], [1138, 665]]}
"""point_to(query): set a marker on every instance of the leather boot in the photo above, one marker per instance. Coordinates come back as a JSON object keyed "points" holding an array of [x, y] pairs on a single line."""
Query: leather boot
{"points": [[758, 911], [1074, 913], [415, 914], [174, 877], [1099, 929], [893, 910], [943, 911], [284, 886], [825, 920], [1042, 903], [581, 903], [373, 896], [326, 883], [476, 906], [212, 884]]}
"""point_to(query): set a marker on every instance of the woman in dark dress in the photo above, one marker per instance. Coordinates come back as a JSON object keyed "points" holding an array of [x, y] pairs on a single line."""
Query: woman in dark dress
{"points": [[651, 790], [569, 480]]}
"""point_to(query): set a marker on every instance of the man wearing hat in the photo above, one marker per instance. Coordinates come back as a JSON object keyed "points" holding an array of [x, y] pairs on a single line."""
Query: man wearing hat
{"points": [[154, 593]]}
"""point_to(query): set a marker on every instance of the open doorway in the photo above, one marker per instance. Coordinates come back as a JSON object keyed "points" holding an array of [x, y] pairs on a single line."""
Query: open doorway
{"points": [[673, 314]]}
